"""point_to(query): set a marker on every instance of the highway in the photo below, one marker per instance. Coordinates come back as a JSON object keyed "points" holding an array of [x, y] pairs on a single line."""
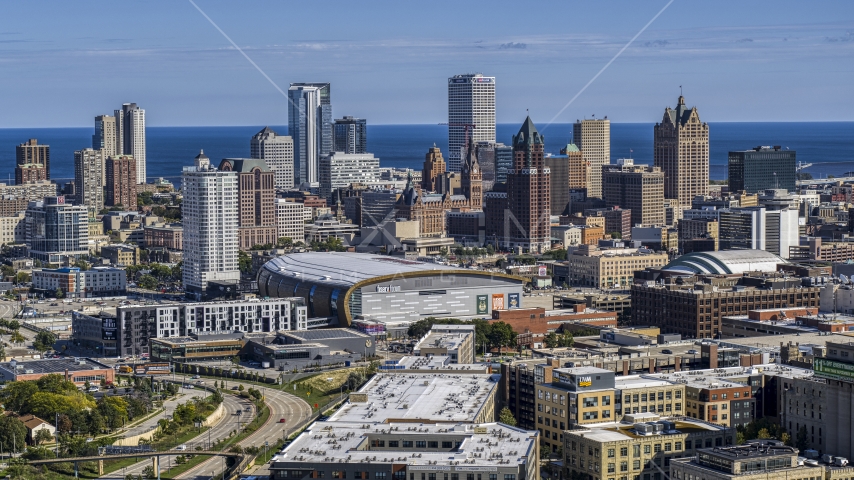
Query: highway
{"points": [[282, 405]]}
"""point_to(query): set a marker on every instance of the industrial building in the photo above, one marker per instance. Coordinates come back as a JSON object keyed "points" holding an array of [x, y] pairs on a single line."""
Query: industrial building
{"points": [[77, 370], [393, 291], [454, 341]]}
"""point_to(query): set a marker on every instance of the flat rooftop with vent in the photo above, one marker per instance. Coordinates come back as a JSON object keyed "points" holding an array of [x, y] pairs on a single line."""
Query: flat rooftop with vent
{"points": [[77, 370], [384, 451], [454, 341], [423, 397]]}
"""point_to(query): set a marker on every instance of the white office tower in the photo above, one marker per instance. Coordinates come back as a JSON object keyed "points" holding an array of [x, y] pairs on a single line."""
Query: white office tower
{"points": [[339, 170], [210, 226], [471, 110], [130, 136], [277, 151], [290, 220], [310, 126], [593, 138]]}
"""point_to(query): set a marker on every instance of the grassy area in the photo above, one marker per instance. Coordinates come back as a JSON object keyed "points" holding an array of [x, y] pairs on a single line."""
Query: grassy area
{"points": [[187, 465], [273, 449]]}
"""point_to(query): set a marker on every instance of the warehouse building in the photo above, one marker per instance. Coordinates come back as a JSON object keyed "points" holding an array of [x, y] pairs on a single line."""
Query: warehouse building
{"points": [[77, 370], [349, 286], [326, 346]]}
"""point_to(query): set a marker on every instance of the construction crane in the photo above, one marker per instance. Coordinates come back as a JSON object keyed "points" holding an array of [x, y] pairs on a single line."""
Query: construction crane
{"points": [[469, 127], [802, 165]]}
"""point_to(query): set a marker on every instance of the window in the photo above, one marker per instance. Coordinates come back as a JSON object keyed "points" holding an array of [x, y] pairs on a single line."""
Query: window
{"points": [[624, 466], [624, 451], [447, 445], [433, 444], [591, 402], [378, 443], [339, 474], [636, 449], [611, 453], [606, 400], [636, 465], [407, 444], [657, 447], [358, 475], [420, 444], [378, 475], [393, 443], [647, 449], [678, 446], [667, 447], [643, 397]]}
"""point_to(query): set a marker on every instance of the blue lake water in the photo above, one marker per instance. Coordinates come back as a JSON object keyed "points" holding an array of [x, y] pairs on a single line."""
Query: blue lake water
{"points": [[828, 146]]}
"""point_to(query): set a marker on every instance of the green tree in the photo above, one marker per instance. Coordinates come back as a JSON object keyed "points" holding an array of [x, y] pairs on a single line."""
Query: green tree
{"points": [[18, 394], [567, 340], [56, 383], [23, 277], [59, 293], [240, 387], [95, 422], [17, 338], [82, 264], [13, 434], [506, 417], [43, 436], [502, 335], [802, 439], [551, 340], [147, 282], [14, 325], [244, 261], [114, 411], [44, 341], [285, 242], [763, 434]]}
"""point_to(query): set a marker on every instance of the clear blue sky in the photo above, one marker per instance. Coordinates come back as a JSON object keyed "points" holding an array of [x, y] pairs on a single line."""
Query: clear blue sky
{"points": [[63, 62]]}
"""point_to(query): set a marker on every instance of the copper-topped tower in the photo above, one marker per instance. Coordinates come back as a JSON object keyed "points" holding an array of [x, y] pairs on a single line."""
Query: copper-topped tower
{"points": [[681, 150], [528, 193]]}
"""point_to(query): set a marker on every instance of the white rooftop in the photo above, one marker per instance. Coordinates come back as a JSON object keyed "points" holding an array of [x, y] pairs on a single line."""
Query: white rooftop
{"points": [[443, 397], [488, 444], [638, 381], [438, 339]]}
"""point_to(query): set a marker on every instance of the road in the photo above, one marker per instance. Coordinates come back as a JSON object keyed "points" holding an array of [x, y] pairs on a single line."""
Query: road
{"points": [[220, 430], [282, 405]]}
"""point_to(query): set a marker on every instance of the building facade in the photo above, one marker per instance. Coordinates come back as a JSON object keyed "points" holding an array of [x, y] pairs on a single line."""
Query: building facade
{"points": [[528, 193], [350, 135], [89, 179], [433, 171], [170, 236], [593, 138], [57, 230], [290, 222], [310, 126], [256, 196], [681, 151], [130, 136], [638, 188], [558, 183], [614, 268], [762, 168], [32, 157], [121, 182], [105, 136], [339, 170], [277, 151], [471, 115], [210, 218]]}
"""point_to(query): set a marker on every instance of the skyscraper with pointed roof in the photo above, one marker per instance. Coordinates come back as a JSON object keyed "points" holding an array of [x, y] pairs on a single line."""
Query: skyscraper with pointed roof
{"points": [[471, 179], [528, 193], [681, 150]]}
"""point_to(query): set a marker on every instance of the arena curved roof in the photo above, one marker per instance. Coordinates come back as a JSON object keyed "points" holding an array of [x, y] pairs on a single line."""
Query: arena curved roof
{"points": [[725, 262], [345, 269]]}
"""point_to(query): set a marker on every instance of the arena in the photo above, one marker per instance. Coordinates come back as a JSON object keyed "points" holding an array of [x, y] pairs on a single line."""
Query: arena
{"points": [[387, 290]]}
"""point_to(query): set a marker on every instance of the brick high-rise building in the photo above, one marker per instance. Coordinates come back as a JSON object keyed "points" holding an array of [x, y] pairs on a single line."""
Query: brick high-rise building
{"points": [[434, 169], [256, 196], [528, 193], [471, 180], [579, 170], [638, 188], [593, 137], [558, 183], [32, 162], [681, 151], [121, 182]]}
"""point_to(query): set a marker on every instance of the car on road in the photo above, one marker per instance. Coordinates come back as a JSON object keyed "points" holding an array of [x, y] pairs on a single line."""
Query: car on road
{"points": [[189, 386], [54, 304], [282, 420], [235, 388], [94, 389], [667, 351], [692, 352], [90, 439], [200, 382], [181, 447], [195, 377]]}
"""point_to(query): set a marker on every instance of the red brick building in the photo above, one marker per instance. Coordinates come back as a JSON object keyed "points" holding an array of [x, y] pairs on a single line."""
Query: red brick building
{"points": [[256, 224], [539, 322], [121, 182]]}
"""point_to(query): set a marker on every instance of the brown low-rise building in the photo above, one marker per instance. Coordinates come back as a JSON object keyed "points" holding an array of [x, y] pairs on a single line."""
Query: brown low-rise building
{"points": [[170, 236], [76, 370], [539, 322]]}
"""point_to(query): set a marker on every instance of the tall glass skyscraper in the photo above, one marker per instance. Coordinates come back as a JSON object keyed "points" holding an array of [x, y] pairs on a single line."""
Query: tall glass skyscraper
{"points": [[130, 136], [310, 125], [471, 108]]}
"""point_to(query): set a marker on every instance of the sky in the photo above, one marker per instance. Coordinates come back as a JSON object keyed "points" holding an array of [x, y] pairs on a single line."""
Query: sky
{"points": [[62, 63]]}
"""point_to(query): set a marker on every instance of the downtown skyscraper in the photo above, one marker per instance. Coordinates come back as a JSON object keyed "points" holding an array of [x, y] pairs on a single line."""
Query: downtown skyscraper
{"points": [[105, 135], [89, 178], [471, 111], [681, 150], [528, 193], [130, 136], [210, 218], [593, 138], [310, 126], [350, 135]]}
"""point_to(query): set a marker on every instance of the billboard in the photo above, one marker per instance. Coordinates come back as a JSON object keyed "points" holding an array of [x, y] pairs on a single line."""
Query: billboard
{"points": [[482, 304], [152, 369], [513, 300], [497, 301], [542, 270], [825, 368]]}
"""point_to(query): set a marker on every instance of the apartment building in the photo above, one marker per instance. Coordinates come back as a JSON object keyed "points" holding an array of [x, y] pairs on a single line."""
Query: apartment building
{"points": [[610, 268]]}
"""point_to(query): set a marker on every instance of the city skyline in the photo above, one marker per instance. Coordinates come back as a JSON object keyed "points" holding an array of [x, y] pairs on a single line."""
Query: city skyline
{"points": [[174, 48]]}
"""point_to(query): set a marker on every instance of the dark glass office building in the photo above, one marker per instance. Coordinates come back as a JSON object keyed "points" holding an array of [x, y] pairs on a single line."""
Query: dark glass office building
{"points": [[350, 135], [762, 168]]}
